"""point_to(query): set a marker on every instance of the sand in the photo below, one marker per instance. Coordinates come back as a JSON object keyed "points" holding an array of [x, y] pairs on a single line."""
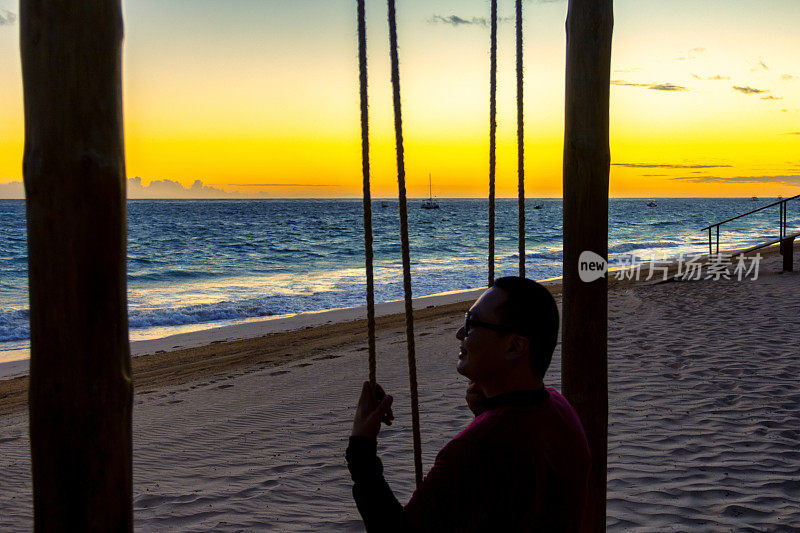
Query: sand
{"points": [[250, 434]]}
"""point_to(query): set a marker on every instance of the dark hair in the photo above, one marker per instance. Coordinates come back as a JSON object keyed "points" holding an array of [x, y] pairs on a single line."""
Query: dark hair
{"points": [[531, 309]]}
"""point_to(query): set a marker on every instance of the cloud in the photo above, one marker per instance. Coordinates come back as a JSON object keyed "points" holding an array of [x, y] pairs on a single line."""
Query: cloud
{"points": [[651, 86], [7, 18], [456, 21], [629, 83], [667, 87], [691, 54], [716, 77], [167, 188], [281, 185], [793, 133], [791, 179], [770, 97], [13, 190], [787, 77], [748, 90], [660, 165], [172, 189], [760, 66]]}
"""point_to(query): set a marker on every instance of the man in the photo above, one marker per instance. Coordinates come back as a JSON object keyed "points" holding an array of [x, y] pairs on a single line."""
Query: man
{"points": [[523, 462]]}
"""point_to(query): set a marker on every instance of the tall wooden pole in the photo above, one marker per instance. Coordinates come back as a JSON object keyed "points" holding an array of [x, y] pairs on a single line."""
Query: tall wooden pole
{"points": [[74, 172], [586, 168]]}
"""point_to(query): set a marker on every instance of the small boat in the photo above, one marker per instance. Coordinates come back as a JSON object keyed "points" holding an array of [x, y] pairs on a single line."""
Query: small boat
{"points": [[430, 203], [537, 206], [651, 203], [754, 199], [384, 204]]}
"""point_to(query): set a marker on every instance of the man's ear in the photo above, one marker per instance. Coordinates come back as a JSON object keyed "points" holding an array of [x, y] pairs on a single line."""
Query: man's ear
{"points": [[518, 347]]}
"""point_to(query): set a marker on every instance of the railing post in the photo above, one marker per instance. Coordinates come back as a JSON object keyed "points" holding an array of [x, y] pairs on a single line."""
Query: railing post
{"points": [[717, 239], [784, 207], [709, 241]]}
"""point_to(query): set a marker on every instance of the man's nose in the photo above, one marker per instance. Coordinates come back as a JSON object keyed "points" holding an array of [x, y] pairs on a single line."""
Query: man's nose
{"points": [[460, 333]]}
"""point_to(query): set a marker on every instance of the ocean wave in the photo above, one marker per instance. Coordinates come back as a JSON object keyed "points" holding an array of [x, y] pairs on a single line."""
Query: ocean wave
{"points": [[629, 246], [547, 256], [14, 325], [198, 314], [171, 275]]}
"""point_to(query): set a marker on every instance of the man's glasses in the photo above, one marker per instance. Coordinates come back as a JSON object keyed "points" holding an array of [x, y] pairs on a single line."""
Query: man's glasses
{"points": [[470, 323]]}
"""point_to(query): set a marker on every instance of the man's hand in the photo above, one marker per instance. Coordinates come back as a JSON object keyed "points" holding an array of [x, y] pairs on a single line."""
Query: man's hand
{"points": [[374, 407], [476, 399]]}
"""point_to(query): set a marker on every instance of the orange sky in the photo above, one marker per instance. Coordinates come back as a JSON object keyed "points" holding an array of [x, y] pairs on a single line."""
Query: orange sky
{"points": [[262, 97]]}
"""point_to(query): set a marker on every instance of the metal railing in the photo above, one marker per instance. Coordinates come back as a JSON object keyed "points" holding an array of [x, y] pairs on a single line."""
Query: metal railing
{"points": [[782, 222]]}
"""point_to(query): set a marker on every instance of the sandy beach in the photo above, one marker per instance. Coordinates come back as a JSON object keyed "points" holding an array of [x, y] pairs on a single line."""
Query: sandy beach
{"points": [[241, 434]]}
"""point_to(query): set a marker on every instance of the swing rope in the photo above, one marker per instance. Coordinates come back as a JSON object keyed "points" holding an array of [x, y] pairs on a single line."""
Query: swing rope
{"points": [[401, 182], [368, 254], [520, 144], [492, 136]]}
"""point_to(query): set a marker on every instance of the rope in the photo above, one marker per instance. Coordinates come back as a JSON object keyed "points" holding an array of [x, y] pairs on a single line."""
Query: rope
{"points": [[368, 255], [492, 137], [520, 145], [401, 182]]}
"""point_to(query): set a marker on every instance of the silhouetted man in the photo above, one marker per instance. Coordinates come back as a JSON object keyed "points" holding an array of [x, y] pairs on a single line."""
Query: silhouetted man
{"points": [[523, 462]]}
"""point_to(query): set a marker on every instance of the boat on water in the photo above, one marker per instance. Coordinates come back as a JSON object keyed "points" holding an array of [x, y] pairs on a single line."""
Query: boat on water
{"points": [[754, 199], [538, 206], [651, 203], [430, 203]]}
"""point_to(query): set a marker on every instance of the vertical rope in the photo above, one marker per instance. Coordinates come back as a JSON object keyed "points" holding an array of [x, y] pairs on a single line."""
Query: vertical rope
{"points": [[368, 255], [520, 145], [401, 182], [492, 137]]}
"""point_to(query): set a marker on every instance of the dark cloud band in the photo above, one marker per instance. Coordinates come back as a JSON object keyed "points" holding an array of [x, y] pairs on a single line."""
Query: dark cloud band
{"points": [[749, 90], [791, 179], [669, 87], [660, 165]]}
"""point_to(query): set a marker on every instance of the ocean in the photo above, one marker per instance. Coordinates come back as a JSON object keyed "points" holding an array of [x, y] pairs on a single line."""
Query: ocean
{"points": [[206, 263]]}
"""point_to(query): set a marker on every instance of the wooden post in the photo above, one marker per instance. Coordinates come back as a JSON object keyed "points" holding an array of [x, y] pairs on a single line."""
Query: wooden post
{"points": [[74, 171], [586, 168], [787, 251]]}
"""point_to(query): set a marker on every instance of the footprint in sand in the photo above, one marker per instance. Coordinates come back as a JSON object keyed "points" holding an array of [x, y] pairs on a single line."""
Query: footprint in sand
{"points": [[227, 386], [278, 372]]}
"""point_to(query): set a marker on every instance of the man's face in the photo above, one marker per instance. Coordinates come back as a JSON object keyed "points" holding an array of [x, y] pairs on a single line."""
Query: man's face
{"points": [[482, 355]]}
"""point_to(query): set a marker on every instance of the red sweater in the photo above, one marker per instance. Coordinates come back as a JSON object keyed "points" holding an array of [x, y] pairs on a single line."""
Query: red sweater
{"points": [[520, 466]]}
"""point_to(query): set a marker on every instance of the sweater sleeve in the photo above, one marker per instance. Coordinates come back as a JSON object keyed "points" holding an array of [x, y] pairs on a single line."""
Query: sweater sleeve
{"points": [[378, 506]]}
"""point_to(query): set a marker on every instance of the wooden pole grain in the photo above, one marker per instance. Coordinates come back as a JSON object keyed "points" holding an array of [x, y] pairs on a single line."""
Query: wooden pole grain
{"points": [[80, 392], [586, 169]]}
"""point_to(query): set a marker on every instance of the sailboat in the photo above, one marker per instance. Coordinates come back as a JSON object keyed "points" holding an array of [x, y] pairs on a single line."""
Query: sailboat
{"points": [[430, 203]]}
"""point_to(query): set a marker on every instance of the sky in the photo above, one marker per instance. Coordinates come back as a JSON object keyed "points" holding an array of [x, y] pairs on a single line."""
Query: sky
{"points": [[259, 98]]}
